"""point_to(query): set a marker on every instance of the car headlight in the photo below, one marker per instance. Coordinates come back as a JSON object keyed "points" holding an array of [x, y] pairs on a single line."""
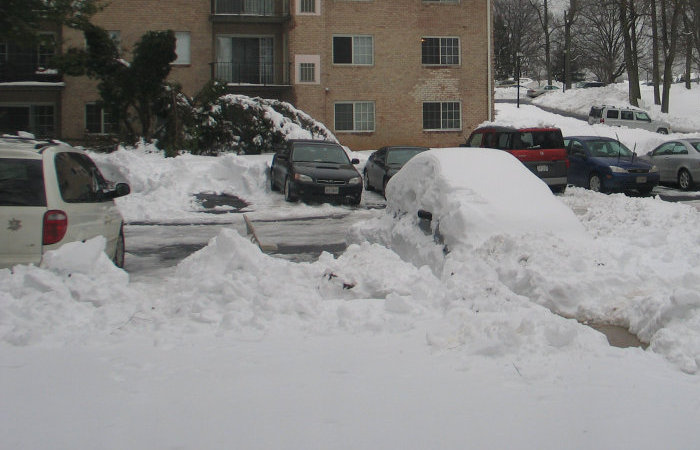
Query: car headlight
{"points": [[303, 178], [616, 169], [653, 169], [355, 180]]}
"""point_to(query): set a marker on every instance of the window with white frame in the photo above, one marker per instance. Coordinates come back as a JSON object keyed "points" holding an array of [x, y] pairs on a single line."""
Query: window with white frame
{"points": [[182, 47], [354, 116], [356, 50], [98, 120], [442, 116], [307, 69], [309, 6], [440, 51]]}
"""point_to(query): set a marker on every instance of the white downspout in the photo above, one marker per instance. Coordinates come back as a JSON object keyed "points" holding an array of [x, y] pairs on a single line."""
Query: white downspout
{"points": [[489, 60]]}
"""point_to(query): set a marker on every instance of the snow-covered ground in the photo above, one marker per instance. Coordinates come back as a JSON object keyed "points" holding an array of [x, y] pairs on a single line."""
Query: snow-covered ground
{"points": [[684, 104], [391, 345]]}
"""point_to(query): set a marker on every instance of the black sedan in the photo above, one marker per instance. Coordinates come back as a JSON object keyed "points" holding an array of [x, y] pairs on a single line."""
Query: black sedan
{"points": [[315, 170], [384, 163]]}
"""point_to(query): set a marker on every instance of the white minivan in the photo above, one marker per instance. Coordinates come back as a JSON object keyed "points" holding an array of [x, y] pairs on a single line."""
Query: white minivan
{"points": [[626, 117], [51, 194]]}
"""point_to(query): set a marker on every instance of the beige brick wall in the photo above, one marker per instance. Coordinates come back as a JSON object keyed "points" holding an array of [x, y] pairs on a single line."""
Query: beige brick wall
{"points": [[133, 18], [397, 82]]}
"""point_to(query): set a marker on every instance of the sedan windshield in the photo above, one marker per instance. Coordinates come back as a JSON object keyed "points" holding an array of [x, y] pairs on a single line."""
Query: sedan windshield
{"points": [[399, 156], [607, 149], [320, 153]]}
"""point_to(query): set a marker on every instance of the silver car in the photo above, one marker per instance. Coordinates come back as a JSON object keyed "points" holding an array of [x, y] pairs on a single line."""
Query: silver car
{"points": [[678, 162]]}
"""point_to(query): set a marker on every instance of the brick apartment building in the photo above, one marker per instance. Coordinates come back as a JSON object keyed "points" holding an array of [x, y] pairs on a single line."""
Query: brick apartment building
{"points": [[376, 72]]}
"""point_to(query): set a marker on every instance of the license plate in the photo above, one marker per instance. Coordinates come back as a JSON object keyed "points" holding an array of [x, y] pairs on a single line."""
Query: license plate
{"points": [[641, 179], [331, 190], [543, 168]]}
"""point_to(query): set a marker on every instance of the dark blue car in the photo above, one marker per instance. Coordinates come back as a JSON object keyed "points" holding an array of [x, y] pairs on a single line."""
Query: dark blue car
{"points": [[603, 164]]}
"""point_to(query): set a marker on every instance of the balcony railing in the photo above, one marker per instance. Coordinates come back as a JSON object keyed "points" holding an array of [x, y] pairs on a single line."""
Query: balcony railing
{"points": [[20, 71], [265, 8], [259, 74]]}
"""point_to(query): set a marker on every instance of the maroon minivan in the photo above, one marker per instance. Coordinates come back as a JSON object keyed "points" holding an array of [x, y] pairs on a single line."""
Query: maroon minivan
{"points": [[540, 149]]}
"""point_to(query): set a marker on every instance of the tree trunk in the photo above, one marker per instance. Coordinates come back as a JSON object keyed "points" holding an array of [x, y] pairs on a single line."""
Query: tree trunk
{"points": [[655, 53], [629, 58], [547, 44]]}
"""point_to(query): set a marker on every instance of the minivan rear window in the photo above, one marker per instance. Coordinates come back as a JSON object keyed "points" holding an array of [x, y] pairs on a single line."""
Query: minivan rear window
{"points": [[535, 140], [22, 182]]}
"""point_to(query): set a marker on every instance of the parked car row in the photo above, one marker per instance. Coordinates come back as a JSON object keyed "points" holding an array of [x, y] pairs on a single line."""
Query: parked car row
{"points": [[51, 194]]}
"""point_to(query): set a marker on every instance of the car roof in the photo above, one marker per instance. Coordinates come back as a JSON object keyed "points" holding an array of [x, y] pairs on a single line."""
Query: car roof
{"points": [[29, 148], [591, 138], [512, 129], [394, 147], [631, 108], [310, 141]]}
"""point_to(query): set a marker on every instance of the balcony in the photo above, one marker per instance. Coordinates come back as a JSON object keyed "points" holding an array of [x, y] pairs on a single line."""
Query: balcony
{"points": [[250, 11], [14, 71], [257, 74]]}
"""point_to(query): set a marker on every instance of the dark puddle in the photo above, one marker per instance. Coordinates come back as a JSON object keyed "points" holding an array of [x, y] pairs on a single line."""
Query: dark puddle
{"points": [[210, 200], [617, 336]]}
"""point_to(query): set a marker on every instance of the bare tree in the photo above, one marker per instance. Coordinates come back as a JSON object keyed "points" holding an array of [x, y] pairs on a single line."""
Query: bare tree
{"points": [[671, 12], [599, 36], [628, 23], [569, 20], [514, 35], [543, 16]]}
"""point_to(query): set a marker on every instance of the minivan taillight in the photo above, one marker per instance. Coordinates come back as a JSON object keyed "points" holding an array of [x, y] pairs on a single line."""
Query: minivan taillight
{"points": [[55, 226], [602, 120]]}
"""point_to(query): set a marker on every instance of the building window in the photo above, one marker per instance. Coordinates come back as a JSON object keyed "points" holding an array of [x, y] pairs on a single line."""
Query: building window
{"points": [[442, 116], [182, 47], [440, 51], [358, 50], [307, 72], [116, 37], [354, 116], [46, 50], [307, 6], [98, 120]]}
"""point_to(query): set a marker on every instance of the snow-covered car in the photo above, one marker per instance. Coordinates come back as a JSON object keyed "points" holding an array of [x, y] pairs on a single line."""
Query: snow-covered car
{"points": [[315, 170], [626, 117], [536, 92], [471, 194], [678, 162], [52, 194]]}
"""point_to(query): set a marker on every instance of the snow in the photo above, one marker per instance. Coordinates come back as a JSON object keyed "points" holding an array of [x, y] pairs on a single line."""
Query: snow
{"points": [[393, 344]]}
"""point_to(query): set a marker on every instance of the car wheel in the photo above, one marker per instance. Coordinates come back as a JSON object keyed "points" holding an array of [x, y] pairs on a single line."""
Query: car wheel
{"points": [[354, 201], [662, 131], [119, 251], [273, 187], [368, 187], [685, 180], [288, 196], [594, 183]]}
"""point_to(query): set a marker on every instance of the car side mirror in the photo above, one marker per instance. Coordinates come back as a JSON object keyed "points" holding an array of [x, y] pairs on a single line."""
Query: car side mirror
{"points": [[120, 190], [355, 161]]}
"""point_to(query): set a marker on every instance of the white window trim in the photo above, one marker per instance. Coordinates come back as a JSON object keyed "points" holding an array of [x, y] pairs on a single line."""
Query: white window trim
{"points": [[317, 9], [353, 103], [352, 54], [308, 59], [441, 102], [459, 52], [102, 120]]}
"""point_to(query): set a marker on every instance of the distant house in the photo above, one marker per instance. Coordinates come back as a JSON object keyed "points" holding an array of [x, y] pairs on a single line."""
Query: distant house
{"points": [[376, 72]]}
